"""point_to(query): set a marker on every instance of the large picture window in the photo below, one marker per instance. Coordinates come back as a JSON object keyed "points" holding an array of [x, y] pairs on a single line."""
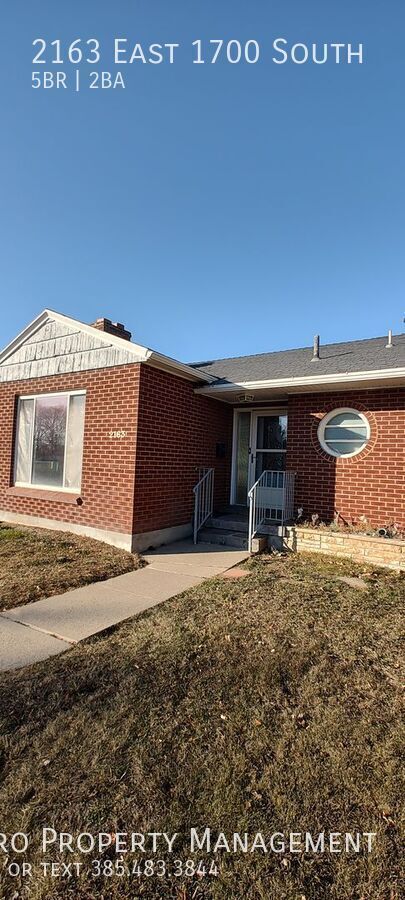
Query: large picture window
{"points": [[49, 441]]}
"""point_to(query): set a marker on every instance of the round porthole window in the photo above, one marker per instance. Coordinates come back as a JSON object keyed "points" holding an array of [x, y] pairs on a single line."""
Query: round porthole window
{"points": [[344, 432]]}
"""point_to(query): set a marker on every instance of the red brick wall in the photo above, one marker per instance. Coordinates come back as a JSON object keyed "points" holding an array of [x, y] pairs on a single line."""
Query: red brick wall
{"points": [[179, 432], [108, 464], [371, 483], [142, 482]]}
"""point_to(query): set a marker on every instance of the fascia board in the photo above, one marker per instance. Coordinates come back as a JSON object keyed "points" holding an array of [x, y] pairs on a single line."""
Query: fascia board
{"points": [[306, 381], [166, 363]]}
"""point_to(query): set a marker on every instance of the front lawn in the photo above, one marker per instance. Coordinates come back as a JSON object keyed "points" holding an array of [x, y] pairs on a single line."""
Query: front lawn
{"points": [[37, 563], [269, 703]]}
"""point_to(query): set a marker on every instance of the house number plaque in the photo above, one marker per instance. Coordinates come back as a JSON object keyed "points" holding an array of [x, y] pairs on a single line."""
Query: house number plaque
{"points": [[117, 435]]}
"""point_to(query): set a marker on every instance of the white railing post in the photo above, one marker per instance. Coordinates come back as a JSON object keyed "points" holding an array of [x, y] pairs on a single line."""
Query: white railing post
{"points": [[203, 500], [256, 509], [251, 518], [284, 501]]}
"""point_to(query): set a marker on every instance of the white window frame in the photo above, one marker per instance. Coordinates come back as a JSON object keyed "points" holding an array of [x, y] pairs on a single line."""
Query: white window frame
{"points": [[29, 484], [326, 420]]}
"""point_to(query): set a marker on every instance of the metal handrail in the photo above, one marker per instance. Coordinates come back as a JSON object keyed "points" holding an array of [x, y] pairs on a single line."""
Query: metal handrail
{"points": [[256, 512], [259, 503], [203, 500]]}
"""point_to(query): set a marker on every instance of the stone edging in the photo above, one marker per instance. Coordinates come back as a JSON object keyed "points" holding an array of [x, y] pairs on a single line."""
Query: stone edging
{"points": [[361, 548]]}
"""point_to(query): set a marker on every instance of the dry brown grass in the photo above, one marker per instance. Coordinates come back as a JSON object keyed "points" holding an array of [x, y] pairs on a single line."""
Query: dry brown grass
{"points": [[37, 563], [270, 703]]}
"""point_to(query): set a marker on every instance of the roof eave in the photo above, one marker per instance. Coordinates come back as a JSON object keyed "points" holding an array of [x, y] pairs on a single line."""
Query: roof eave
{"points": [[167, 364], [310, 381]]}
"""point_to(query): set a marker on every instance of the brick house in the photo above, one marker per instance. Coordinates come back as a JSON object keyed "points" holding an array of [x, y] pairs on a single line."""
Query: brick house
{"points": [[104, 437]]}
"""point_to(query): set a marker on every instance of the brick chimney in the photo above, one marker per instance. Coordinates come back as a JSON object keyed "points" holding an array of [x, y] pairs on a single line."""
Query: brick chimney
{"points": [[112, 328]]}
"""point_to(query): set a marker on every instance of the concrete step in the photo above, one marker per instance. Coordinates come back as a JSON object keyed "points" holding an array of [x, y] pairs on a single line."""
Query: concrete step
{"points": [[227, 523], [229, 538]]}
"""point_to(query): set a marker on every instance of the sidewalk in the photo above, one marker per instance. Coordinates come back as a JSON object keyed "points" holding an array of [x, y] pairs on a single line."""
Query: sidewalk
{"points": [[47, 627]]}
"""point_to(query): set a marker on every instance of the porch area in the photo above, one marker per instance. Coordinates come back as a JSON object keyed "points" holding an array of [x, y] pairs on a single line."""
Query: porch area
{"points": [[269, 511], [262, 490], [261, 498]]}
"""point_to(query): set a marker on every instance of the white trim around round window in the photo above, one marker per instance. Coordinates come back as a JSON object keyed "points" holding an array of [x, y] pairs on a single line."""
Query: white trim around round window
{"points": [[344, 432]]}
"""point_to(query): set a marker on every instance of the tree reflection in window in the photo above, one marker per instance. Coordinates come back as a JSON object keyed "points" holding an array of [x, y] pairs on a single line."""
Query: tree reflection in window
{"points": [[272, 432], [49, 441]]}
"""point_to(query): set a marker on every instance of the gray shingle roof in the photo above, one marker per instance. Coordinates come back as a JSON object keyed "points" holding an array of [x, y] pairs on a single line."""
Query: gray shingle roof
{"points": [[351, 356]]}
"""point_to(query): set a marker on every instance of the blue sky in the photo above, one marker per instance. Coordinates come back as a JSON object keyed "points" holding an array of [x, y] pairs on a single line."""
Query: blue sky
{"points": [[215, 210]]}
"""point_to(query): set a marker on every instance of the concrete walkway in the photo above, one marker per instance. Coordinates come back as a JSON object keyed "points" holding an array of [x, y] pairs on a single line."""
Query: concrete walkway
{"points": [[50, 626]]}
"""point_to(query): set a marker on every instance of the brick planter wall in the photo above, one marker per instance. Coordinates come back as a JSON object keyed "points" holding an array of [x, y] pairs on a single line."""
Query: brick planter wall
{"points": [[359, 547]]}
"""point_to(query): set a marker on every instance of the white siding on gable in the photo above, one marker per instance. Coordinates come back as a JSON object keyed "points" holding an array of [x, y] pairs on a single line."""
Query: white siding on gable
{"points": [[50, 330], [56, 348]]}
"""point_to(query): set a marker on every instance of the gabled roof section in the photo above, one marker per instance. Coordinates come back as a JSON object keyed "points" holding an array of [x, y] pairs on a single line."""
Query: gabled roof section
{"points": [[365, 356], [54, 343]]}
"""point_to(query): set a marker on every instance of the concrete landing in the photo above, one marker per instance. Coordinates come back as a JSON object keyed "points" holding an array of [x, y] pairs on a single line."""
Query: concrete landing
{"points": [[205, 560], [33, 632]]}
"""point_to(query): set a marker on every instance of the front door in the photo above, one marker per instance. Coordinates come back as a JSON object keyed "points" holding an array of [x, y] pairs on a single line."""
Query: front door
{"points": [[261, 444], [269, 444]]}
